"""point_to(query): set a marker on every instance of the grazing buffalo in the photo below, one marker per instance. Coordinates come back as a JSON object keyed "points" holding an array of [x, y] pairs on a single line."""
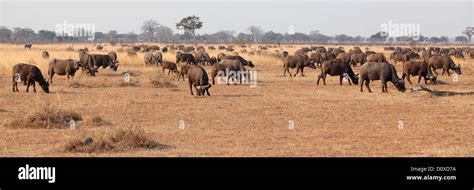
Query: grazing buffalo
{"points": [[298, 62], [170, 66], [202, 57], [29, 74], [315, 58], [186, 58], [113, 56], [45, 55], [60, 67], [28, 45], [104, 61], [149, 58], [158, 58], [164, 49], [239, 58], [358, 58], [445, 63], [87, 63], [380, 71], [337, 67], [417, 68], [345, 57], [377, 57], [230, 68], [198, 78]]}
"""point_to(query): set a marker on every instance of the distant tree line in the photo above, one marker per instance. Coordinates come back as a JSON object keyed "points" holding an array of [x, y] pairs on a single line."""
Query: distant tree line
{"points": [[152, 31]]}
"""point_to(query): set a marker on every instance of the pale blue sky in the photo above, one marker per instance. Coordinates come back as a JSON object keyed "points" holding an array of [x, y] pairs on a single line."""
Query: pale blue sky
{"points": [[360, 17]]}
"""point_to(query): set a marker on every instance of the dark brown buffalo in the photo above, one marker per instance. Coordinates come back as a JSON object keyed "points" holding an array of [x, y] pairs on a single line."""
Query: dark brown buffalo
{"points": [[417, 68], [186, 58], [28, 74], [197, 77], [104, 61], [60, 67], [45, 55], [28, 45], [445, 63], [380, 71], [337, 67], [315, 58], [296, 61], [170, 66], [158, 58], [202, 57], [87, 63]]}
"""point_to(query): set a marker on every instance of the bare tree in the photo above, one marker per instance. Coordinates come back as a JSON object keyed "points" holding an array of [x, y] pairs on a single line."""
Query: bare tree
{"points": [[469, 32], [149, 28], [255, 33]]}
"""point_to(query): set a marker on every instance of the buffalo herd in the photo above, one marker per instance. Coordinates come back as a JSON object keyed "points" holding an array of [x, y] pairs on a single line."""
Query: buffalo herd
{"points": [[190, 61]]}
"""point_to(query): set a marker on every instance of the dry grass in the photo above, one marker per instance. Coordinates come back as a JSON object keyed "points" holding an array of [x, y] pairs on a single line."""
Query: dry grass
{"points": [[237, 120], [122, 139], [46, 117]]}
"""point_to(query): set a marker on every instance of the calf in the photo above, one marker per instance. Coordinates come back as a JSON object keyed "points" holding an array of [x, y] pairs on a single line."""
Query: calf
{"points": [[29, 74], [170, 66]]}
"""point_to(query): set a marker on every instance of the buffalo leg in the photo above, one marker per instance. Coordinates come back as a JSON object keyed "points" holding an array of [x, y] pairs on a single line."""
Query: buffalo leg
{"points": [[324, 78], [34, 86], [362, 85], [191, 87], [419, 79], [340, 79], [207, 91], [409, 81], [367, 84], [319, 78]]}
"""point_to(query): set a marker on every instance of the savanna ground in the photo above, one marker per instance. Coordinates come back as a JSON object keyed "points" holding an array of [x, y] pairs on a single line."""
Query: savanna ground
{"points": [[238, 120]]}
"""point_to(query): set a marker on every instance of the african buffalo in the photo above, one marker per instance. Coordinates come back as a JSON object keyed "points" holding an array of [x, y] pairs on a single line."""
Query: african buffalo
{"points": [[29, 74], [197, 77], [337, 67], [417, 68], [380, 71], [445, 63], [298, 62], [60, 67]]}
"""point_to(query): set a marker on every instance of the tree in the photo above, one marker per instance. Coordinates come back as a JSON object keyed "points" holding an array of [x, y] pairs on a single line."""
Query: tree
{"points": [[469, 32], [272, 37], [443, 39], [462, 39], [164, 34], [318, 37], [378, 37], [149, 27], [45, 35], [190, 24], [23, 34], [434, 40], [243, 38], [255, 33], [5, 34], [99, 36]]}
